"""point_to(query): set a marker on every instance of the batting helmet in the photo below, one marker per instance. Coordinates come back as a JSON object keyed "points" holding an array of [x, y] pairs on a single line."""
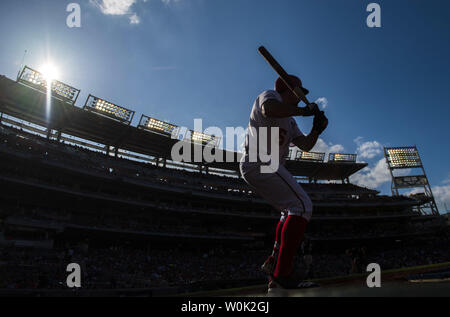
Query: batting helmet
{"points": [[294, 81]]}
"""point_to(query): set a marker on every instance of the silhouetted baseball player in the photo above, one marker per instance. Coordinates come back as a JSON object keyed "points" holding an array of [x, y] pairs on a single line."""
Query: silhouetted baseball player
{"points": [[276, 109]]}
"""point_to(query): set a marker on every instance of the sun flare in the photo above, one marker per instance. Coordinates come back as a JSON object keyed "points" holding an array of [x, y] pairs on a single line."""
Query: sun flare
{"points": [[50, 71]]}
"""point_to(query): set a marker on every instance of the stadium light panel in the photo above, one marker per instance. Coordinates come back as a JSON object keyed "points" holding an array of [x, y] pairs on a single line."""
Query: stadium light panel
{"points": [[310, 156], [201, 138], [407, 157], [40, 81], [337, 157], [158, 126], [109, 109]]}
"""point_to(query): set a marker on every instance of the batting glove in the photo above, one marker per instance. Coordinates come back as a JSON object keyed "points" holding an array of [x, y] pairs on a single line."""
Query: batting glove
{"points": [[320, 122]]}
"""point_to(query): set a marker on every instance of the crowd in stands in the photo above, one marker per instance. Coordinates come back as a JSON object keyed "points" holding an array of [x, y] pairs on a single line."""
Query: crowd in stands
{"points": [[100, 218], [370, 231], [125, 267], [428, 252], [120, 267]]}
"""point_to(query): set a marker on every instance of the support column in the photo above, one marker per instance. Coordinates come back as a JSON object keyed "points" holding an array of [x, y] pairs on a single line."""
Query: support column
{"points": [[49, 133]]}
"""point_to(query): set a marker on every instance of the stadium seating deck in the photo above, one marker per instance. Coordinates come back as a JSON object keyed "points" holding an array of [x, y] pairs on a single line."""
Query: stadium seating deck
{"points": [[27, 104]]}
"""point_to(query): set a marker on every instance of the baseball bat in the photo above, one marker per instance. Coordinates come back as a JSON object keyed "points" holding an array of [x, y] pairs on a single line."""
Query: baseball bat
{"points": [[282, 73]]}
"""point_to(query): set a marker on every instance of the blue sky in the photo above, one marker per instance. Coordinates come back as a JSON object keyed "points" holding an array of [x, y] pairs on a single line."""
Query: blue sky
{"points": [[177, 60]]}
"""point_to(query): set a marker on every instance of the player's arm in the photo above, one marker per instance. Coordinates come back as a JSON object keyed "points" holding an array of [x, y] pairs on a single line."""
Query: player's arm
{"points": [[273, 108], [306, 143]]}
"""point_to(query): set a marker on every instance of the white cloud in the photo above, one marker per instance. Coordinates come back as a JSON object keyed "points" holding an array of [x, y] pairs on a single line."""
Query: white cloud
{"points": [[322, 147], [114, 7], [373, 177], [123, 7], [118, 7], [134, 19], [322, 101], [368, 149]]}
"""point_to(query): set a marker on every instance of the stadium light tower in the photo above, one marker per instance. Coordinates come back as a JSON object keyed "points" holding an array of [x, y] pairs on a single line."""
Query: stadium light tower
{"points": [[44, 81], [108, 109], [408, 157], [157, 126], [341, 158], [202, 138], [309, 156]]}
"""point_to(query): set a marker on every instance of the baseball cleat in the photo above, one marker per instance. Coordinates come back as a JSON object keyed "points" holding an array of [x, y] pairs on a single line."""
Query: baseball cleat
{"points": [[279, 286], [269, 265], [276, 290]]}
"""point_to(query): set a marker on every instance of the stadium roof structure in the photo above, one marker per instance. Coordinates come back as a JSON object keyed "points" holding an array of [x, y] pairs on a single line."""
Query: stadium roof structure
{"points": [[28, 104]]}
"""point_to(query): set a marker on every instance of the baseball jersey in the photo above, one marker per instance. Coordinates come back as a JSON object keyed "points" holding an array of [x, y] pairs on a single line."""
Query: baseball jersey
{"points": [[288, 130]]}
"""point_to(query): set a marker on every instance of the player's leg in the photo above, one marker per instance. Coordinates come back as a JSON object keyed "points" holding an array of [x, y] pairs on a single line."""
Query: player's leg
{"points": [[299, 208], [266, 185], [269, 265], [283, 192], [291, 238]]}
